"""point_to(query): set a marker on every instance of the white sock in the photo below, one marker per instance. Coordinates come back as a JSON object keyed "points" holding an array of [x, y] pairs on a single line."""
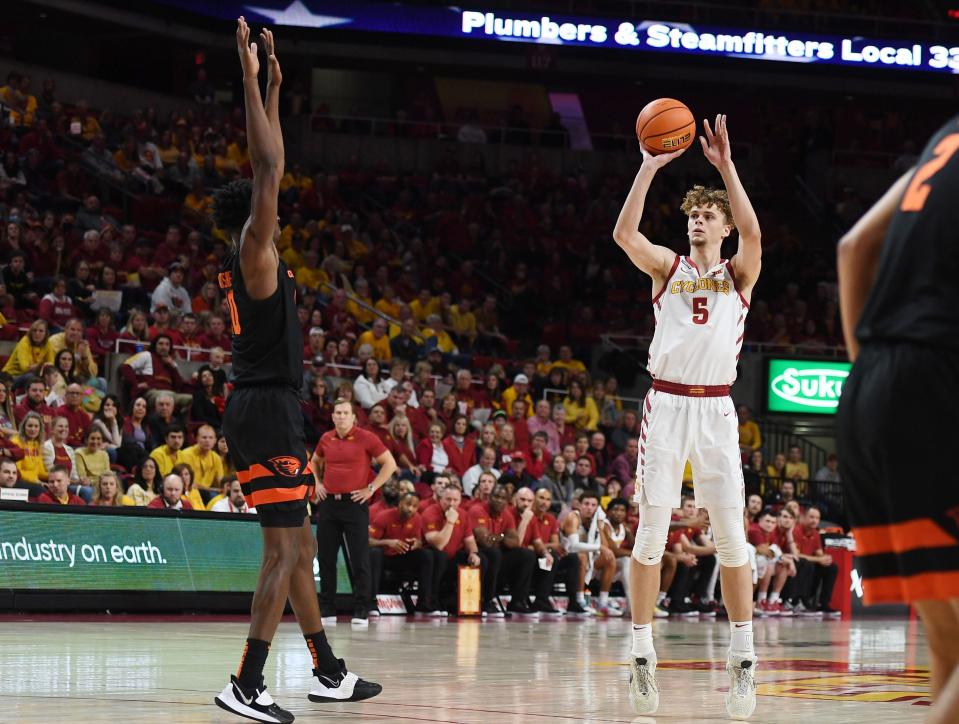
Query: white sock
{"points": [[603, 599], [643, 641], [741, 639], [773, 597], [581, 598], [660, 598], [762, 596]]}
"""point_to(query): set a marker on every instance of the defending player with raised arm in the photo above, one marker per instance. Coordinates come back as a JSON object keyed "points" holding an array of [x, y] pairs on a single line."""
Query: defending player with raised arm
{"points": [[700, 303], [262, 421]]}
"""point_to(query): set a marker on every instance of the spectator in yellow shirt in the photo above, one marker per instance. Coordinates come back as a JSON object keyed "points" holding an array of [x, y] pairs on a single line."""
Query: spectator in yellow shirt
{"points": [[360, 303], [750, 438], [310, 275], [566, 361], [424, 305], [32, 351], [92, 460], [519, 390], [434, 328], [198, 204], [238, 151], [796, 467], [464, 323], [581, 411], [206, 464], [389, 304], [30, 440], [294, 228], [543, 363], [169, 453], [107, 491], [191, 492], [377, 338]]}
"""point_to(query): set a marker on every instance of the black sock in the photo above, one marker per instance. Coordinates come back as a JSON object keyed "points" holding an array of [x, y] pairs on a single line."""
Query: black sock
{"points": [[251, 664], [324, 662]]}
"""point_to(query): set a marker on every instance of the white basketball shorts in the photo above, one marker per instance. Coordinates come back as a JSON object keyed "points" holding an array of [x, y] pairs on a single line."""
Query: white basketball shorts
{"points": [[703, 430]]}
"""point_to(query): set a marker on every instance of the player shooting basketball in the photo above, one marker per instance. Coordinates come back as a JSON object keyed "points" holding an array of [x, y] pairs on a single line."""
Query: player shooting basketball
{"points": [[262, 423], [700, 302]]}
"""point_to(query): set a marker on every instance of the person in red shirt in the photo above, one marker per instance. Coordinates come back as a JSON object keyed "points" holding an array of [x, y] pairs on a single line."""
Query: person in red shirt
{"points": [[78, 418], [558, 561], [447, 529], [215, 334], [484, 488], [57, 308], [816, 566], [439, 484], [102, 336], [396, 544], [35, 401], [58, 484], [376, 423], [768, 540], [345, 483], [460, 446], [495, 531], [539, 460], [388, 498], [162, 326], [518, 421], [172, 495]]}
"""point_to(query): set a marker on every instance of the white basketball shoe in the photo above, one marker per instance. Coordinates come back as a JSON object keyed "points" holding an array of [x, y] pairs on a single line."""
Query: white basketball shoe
{"points": [[643, 691]]}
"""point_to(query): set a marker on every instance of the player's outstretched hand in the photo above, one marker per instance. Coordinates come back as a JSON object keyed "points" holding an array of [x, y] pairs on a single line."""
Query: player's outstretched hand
{"points": [[661, 159], [274, 77], [246, 50], [716, 143]]}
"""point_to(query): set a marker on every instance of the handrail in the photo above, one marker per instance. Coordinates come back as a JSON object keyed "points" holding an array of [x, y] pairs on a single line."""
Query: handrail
{"points": [[758, 347]]}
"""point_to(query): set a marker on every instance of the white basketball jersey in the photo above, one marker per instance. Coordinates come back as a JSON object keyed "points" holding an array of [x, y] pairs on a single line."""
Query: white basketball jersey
{"points": [[700, 320]]}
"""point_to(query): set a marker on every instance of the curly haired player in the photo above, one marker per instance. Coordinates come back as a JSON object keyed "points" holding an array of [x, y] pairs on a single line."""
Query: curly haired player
{"points": [[700, 302], [262, 423]]}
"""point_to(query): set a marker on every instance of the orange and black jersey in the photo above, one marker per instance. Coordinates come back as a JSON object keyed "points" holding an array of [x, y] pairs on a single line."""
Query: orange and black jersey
{"points": [[913, 300], [267, 338]]}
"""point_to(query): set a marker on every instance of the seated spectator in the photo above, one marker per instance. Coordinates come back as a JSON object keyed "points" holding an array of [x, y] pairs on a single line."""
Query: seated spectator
{"points": [[543, 539], [72, 338], [190, 491], [378, 340], [519, 390], [614, 489], [598, 452], [214, 334], [169, 453], [438, 484], [7, 416], [431, 453], [138, 437], [816, 566], [796, 467], [580, 410], [107, 491], [57, 451], [460, 446], [754, 472], [79, 419], [56, 308], [406, 345], [750, 439], [223, 450], [829, 473], [102, 336], [10, 478], [233, 502], [209, 399], [154, 371], [754, 506], [785, 494], [171, 496], [496, 535], [493, 392], [31, 353], [539, 458], [58, 490], [34, 401], [317, 411], [777, 469], [507, 446], [30, 440], [625, 465], [582, 475], [401, 437], [541, 422], [693, 580], [486, 464], [568, 363], [146, 484], [772, 543], [560, 485], [567, 433], [367, 387], [137, 327], [91, 460], [396, 545], [518, 419], [516, 473], [204, 461], [107, 421]]}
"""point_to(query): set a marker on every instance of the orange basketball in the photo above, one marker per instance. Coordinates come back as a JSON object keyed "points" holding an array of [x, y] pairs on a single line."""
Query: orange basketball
{"points": [[665, 125]]}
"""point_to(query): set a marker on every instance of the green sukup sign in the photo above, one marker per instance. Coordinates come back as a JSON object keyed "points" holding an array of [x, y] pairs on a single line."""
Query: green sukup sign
{"points": [[809, 387], [97, 552]]}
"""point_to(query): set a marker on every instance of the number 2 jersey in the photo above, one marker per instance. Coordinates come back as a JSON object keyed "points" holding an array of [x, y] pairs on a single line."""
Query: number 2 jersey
{"points": [[913, 300], [700, 321], [267, 338]]}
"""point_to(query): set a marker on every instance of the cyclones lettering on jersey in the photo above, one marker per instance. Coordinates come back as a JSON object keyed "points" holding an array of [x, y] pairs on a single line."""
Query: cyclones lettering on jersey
{"points": [[702, 285]]}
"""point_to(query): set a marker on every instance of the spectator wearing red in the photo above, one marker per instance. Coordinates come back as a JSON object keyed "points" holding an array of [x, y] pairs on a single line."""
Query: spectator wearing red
{"points": [[171, 497], [56, 308], [317, 411], [437, 486], [507, 447], [820, 567], [567, 433], [155, 370], [92, 250], [376, 423], [215, 334], [58, 492], [468, 398], [518, 419], [540, 458], [449, 409], [598, 452], [431, 453], [541, 422], [401, 434], [78, 418], [189, 330], [163, 325], [396, 545], [102, 336], [460, 446], [170, 249], [35, 401], [447, 529], [57, 452], [560, 562]]}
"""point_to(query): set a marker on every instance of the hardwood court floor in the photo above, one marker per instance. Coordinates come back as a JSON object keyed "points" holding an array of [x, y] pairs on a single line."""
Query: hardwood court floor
{"points": [[94, 669]]}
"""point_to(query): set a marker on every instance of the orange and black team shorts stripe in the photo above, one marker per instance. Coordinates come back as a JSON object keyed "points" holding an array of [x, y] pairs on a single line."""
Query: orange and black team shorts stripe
{"points": [[914, 560], [282, 479]]}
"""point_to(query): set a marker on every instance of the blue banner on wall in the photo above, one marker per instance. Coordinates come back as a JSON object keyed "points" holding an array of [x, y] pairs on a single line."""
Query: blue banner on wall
{"points": [[659, 36]]}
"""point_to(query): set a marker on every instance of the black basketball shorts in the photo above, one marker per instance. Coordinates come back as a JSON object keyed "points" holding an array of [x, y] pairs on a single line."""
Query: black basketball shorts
{"points": [[264, 430], [896, 436]]}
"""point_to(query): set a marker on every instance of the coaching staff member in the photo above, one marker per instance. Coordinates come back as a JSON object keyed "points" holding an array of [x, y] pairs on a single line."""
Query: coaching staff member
{"points": [[344, 484]]}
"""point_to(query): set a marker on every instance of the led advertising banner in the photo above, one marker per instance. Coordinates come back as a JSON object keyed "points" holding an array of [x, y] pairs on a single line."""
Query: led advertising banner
{"points": [[809, 387], [624, 33], [96, 552]]}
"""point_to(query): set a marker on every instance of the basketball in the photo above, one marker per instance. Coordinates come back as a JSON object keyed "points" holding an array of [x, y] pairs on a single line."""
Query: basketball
{"points": [[665, 125]]}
